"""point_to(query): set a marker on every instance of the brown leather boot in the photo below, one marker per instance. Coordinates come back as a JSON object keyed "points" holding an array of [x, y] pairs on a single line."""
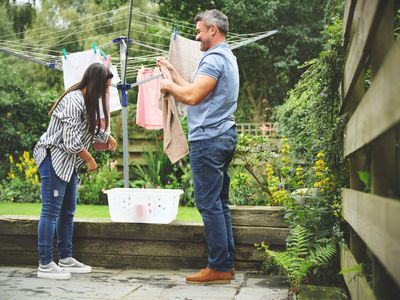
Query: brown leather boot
{"points": [[233, 272], [209, 276]]}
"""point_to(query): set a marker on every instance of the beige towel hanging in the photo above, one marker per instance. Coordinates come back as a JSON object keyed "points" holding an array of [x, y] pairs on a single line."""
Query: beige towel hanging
{"points": [[175, 144], [184, 55]]}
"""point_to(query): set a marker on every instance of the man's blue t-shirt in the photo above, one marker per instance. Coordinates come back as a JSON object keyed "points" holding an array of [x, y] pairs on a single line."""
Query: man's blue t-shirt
{"points": [[214, 115]]}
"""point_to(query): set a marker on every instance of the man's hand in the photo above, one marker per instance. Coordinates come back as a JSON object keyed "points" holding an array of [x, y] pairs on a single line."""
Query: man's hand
{"points": [[165, 85], [165, 63]]}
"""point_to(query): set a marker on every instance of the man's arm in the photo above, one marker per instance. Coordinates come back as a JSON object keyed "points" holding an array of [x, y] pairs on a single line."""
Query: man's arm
{"points": [[190, 93]]}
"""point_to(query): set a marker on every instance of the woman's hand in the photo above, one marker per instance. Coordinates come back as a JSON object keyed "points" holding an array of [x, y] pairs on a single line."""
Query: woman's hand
{"points": [[91, 165], [112, 143], [88, 159]]}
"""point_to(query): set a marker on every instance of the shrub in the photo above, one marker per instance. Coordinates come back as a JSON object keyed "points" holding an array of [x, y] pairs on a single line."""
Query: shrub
{"points": [[267, 178], [22, 182], [24, 115], [93, 185], [310, 115]]}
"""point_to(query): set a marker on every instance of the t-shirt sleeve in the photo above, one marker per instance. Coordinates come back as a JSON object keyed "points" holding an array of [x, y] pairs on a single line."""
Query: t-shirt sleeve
{"points": [[211, 66]]}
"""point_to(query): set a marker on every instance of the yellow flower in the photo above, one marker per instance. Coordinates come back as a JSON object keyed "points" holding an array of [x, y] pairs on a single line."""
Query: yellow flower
{"points": [[11, 158], [26, 155], [11, 175], [317, 184]]}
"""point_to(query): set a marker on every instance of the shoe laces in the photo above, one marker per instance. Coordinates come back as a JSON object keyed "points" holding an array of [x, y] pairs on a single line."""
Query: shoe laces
{"points": [[55, 267]]}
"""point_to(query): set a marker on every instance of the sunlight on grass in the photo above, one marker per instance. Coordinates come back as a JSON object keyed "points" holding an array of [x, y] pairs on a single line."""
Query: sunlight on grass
{"points": [[85, 211]]}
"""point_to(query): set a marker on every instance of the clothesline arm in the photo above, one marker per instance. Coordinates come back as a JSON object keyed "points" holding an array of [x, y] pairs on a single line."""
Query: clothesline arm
{"points": [[132, 85]]}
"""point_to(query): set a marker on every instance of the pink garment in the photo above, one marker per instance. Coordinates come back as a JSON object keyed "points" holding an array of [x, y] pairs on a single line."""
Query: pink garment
{"points": [[104, 146], [148, 113]]}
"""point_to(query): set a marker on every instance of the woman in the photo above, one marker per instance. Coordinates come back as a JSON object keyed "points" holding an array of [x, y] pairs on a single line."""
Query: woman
{"points": [[61, 150]]}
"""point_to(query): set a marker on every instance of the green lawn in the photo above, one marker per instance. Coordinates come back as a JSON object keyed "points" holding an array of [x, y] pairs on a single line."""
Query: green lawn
{"points": [[85, 211]]}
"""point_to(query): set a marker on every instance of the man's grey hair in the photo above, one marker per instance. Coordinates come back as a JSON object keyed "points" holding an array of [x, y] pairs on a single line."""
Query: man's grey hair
{"points": [[214, 17]]}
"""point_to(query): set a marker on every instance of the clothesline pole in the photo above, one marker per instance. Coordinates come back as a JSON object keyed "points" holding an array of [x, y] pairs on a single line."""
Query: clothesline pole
{"points": [[122, 47], [124, 60]]}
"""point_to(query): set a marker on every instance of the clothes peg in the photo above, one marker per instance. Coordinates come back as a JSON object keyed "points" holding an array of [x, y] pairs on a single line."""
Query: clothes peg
{"points": [[52, 64], [94, 46], [64, 53], [175, 33], [103, 54]]}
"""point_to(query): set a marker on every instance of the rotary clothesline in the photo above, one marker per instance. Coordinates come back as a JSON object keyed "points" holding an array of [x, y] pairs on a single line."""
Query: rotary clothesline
{"points": [[40, 48]]}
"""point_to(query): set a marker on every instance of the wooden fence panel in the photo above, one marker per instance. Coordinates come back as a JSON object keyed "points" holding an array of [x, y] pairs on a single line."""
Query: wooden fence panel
{"points": [[357, 284], [376, 220], [366, 12], [370, 145], [382, 99]]}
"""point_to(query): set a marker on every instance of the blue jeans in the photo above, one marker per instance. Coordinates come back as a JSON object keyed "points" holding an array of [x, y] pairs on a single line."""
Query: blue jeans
{"points": [[58, 209], [209, 162]]}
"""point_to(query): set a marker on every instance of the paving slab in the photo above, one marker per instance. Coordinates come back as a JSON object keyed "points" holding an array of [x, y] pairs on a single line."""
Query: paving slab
{"points": [[22, 283], [258, 287]]}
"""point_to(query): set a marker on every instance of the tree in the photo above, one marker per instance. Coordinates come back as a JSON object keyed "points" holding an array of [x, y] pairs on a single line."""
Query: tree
{"points": [[20, 15], [268, 68]]}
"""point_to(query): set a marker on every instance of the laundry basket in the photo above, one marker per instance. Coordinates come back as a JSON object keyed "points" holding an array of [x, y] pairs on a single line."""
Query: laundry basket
{"points": [[158, 206]]}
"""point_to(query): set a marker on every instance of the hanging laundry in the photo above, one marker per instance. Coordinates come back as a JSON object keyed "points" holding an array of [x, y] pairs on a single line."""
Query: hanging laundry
{"points": [[175, 144], [184, 55], [148, 113], [75, 65]]}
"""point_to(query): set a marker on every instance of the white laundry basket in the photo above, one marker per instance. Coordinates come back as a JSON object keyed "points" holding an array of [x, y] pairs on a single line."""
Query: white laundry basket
{"points": [[158, 206]]}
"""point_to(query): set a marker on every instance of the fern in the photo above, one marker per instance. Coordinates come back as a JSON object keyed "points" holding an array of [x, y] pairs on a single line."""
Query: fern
{"points": [[298, 258], [322, 255]]}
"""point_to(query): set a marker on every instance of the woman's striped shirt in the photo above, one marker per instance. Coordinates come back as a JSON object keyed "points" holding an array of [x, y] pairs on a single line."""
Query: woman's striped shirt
{"points": [[67, 135]]}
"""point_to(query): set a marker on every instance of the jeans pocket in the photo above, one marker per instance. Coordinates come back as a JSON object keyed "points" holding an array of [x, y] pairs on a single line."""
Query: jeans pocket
{"points": [[44, 168]]}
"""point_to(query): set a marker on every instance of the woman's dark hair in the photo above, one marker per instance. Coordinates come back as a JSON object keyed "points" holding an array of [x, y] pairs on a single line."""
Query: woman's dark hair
{"points": [[94, 80]]}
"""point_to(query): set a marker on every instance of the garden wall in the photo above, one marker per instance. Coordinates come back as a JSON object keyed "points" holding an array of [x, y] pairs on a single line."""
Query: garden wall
{"points": [[101, 243]]}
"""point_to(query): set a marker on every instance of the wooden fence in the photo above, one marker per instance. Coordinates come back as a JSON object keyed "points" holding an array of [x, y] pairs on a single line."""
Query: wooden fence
{"points": [[267, 128], [371, 99]]}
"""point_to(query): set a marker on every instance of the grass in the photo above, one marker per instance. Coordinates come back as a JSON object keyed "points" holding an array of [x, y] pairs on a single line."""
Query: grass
{"points": [[85, 211]]}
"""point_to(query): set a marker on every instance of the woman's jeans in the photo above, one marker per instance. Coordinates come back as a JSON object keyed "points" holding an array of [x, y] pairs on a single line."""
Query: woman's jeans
{"points": [[58, 208], [209, 162]]}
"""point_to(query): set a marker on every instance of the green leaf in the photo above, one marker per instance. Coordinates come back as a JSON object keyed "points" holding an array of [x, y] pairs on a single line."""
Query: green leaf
{"points": [[364, 177]]}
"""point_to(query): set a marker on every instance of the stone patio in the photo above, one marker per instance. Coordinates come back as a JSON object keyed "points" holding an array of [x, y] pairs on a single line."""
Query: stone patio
{"points": [[22, 283]]}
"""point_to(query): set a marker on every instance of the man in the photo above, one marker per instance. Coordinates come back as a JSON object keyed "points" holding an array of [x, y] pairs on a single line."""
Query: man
{"points": [[212, 99]]}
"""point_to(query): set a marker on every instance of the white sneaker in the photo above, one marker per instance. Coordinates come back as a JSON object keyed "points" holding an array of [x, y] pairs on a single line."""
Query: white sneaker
{"points": [[72, 265], [52, 271]]}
